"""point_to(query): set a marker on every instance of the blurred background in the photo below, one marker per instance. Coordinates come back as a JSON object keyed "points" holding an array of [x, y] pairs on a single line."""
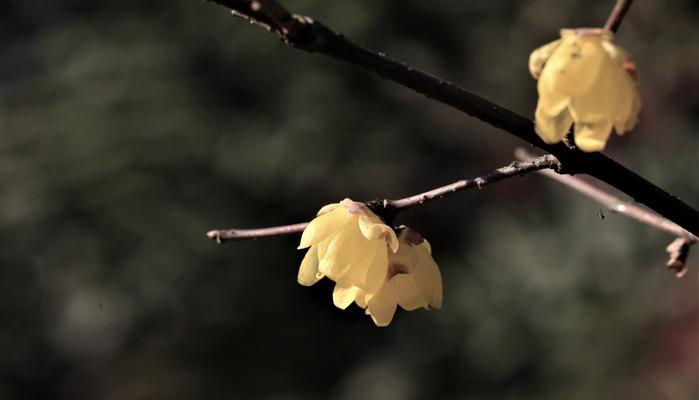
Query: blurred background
{"points": [[128, 129]]}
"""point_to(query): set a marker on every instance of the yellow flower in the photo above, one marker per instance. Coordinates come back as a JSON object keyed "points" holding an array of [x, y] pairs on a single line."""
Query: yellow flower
{"points": [[584, 79], [412, 281], [349, 244]]}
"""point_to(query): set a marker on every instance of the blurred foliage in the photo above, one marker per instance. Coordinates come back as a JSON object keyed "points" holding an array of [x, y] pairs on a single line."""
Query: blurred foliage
{"points": [[131, 128]]}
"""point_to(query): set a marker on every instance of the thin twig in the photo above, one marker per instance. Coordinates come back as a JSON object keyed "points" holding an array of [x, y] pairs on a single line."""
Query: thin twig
{"points": [[389, 208], [611, 202], [619, 206], [221, 235], [678, 250], [516, 168], [617, 15], [305, 33]]}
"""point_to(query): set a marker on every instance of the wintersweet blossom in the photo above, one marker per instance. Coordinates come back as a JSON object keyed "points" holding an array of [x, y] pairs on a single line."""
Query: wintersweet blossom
{"points": [[412, 281], [349, 244], [586, 80]]}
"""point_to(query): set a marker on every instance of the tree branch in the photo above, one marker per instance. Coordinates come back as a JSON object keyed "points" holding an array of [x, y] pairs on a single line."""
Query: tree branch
{"points": [[678, 250], [388, 209], [305, 33], [617, 15], [222, 235], [516, 168], [613, 203]]}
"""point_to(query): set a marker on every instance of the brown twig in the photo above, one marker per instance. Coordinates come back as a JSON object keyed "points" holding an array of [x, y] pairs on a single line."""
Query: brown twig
{"points": [[221, 235], [389, 208], [678, 250], [611, 202], [305, 33], [617, 15], [516, 168]]}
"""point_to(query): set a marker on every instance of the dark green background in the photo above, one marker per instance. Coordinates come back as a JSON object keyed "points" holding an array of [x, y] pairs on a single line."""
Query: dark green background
{"points": [[130, 128]]}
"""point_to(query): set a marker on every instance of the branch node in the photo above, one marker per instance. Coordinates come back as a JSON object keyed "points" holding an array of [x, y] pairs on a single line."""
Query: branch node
{"points": [[307, 34], [678, 251], [214, 235]]}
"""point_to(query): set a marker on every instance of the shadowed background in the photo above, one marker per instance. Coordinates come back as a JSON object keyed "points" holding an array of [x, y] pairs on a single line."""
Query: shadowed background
{"points": [[128, 129]]}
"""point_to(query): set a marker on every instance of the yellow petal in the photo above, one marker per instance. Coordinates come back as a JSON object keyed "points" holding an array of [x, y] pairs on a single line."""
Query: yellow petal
{"points": [[635, 110], [591, 137], [624, 108], [623, 59], [342, 249], [323, 226], [377, 269], [538, 58], [573, 66], [373, 229], [323, 247], [608, 98], [344, 294], [426, 245], [361, 299], [551, 102], [407, 294], [308, 272], [552, 129], [392, 241], [327, 208], [427, 277], [357, 270], [383, 305]]}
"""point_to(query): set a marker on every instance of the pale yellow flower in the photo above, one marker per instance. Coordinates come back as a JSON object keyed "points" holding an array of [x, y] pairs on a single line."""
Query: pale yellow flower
{"points": [[349, 244], [412, 281], [586, 80]]}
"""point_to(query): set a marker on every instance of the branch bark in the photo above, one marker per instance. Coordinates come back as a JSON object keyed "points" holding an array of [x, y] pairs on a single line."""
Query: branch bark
{"points": [[388, 209], [304, 33], [222, 235], [613, 203], [617, 15], [678, 250]]}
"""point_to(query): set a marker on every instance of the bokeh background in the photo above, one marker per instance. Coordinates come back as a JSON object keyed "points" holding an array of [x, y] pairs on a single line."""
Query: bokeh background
{"points": [[128, 129]]}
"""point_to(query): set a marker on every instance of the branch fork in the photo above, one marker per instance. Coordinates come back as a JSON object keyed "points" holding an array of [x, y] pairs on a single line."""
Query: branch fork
{"points": [[673, 215]]}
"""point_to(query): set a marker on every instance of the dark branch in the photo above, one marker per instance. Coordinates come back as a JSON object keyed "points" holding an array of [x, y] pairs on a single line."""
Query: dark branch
{"points": [[305, 33], [617, 15], [390, 208]]}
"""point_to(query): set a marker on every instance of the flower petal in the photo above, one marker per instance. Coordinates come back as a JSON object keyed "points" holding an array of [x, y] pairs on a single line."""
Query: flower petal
{"points": [[426, 245], [593, 136], [427, 277], [323, 226], [573, 66], [342, 249], [407, 294], [361, 299], [374, 229], [375, 275], [371, 227], [552, 129], [344, 294], [551, 102], [327, 208], [538, 58], [607, 98], [383, 305], [635, 110], [308, 272]]}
